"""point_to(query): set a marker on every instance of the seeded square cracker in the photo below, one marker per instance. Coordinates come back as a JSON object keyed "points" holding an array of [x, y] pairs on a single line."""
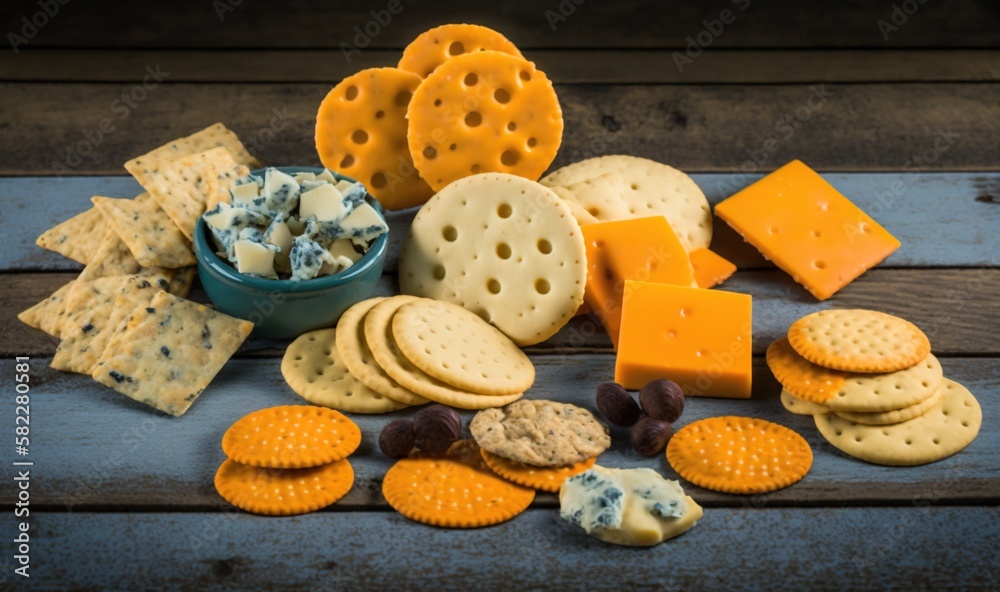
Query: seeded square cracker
{"points": [[169, 351], [49, 314], [185, 188], [76, 238], [147, 230]]}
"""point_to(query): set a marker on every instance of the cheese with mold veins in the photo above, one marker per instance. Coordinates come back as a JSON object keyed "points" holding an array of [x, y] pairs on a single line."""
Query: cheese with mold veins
{"points": [[255, 258], [324, 203], [281, 191], [635, 507]]}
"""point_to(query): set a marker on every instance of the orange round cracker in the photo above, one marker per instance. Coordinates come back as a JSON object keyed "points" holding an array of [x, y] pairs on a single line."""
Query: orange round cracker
{"points": [[291, 437], [484, 112], [801, 377], [856, 340], [438, 45], [739, 454], [457, 490], [282, 492], [361, 132], [540, 478]]}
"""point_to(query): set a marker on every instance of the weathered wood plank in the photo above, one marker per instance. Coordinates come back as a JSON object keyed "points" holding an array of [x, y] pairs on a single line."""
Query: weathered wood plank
{"points": [[731, 128], [550, 24], [98, 449], [959, 206], [955, 307], [584, 66], [729, 549]]}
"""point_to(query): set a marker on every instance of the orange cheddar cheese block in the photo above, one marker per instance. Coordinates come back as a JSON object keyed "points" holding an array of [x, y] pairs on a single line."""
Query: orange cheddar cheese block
{"points": [[808, 228], [700, 339], [710, 268], [645, 249]]}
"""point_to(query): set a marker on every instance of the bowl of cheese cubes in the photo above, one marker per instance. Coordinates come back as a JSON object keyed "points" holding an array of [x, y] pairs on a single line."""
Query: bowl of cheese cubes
{"points": [[292, 250]]}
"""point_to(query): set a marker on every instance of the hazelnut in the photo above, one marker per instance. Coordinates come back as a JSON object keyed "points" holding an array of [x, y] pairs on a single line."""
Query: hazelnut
{"points": [[396, 439], [650, 436], [436, 428], [616, 404], [662, 399]]}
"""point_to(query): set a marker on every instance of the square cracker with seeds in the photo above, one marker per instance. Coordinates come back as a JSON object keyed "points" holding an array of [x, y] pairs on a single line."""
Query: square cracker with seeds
{"points": [[185, 188], [76, 238], [168, 352], [49, 314], [111, 258], [147, 230]]}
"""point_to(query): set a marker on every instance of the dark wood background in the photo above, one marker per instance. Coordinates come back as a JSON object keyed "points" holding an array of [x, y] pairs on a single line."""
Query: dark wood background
{"points": [[909, 129]]}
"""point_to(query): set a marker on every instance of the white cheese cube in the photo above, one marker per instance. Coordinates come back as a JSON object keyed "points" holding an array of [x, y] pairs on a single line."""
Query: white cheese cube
{"points": [[363, 223], [281, 191], [324, 203], [343, 248], [343, 185], [279, 235], [226, 223], [300, 177], [326, 175], [255, 258], [244, 194], [295, 225]]}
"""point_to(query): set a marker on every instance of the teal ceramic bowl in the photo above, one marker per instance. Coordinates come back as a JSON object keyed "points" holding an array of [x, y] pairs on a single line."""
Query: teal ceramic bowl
{"points": [[283, 309]]}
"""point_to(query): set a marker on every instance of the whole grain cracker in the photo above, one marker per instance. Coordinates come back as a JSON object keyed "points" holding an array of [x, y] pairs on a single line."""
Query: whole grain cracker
{"points": [[849, 391], [541, 478], [459, 348], [436, 46], [359, 360], [378, 335], [151, 236], [739, 454], [111, 258], [457, 490], [76, 238], [653, 189], [181, 281], [483, 112], [801, 406], [291, 437], [503, 247], [283, 492], [168, 352], [312, 367], [948, 427], [540, 433], [49, 314], [856, 340]]}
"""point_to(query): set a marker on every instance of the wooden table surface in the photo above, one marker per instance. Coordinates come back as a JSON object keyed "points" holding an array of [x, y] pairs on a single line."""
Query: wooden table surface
{"points": [[897, 104]]}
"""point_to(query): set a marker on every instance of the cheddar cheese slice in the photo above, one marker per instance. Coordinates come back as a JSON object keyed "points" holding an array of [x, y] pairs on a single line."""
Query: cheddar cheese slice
{"points": [[701, 339], [710, 268], [645, 249], [808, 228]]}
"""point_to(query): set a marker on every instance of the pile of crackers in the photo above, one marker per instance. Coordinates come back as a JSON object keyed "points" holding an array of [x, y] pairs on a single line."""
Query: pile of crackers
{"points": [[874, 388], [389, 353], [124, 319]]}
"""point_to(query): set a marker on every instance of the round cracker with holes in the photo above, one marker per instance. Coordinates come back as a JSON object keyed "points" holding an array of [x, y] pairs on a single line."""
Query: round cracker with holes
{"points": [[283, 492], [484, 112], [313, 368], [438, 45], [291, 437], [943, 430], [894, 416], [800, 406], [378, 334], [649, 189], [361, 132], [504, 247], [457, 347], [357, 356], [541, 478], [857, 340]]}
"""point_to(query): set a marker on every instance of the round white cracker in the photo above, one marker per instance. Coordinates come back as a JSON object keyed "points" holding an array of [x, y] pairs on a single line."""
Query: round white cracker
{"points": [[889, 391], [314, 370], [504, 247], [800, 406], [945, 429], [378, 334], [356, 355], [457, 347], [652, 189], [894, 416]]}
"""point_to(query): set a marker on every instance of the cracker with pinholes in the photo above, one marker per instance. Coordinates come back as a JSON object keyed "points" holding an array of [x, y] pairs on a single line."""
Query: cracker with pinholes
{"points": [[540, 433], [76, 238], [801, 406], [504, 247], [49, 314], [857, 340], [457, 347], [169, 351], [185, 188], [601, 197], [147, 230]]}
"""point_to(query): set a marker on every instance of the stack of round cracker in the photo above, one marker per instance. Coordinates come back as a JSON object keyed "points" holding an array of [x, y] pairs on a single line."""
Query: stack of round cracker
{"points": [[390, 353], [873, 387]]}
